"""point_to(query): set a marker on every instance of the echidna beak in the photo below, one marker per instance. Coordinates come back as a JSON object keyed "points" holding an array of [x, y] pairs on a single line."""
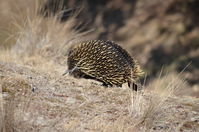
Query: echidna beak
{"points": [[66, 72]]}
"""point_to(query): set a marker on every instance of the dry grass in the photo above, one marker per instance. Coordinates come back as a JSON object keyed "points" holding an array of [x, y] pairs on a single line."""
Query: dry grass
{"points": [[68, 104], [33, 38], [35, 97]]}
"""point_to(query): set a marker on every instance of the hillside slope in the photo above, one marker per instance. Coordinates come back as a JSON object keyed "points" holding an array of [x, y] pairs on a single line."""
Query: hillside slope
{"points": [[34, 100]]}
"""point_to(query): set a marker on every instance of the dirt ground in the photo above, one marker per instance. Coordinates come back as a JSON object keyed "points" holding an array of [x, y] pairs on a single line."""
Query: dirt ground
{"points": [[39, 101]]}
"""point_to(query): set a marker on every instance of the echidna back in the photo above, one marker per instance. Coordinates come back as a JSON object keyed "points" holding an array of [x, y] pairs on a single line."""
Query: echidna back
{"points": [[102, 60]]}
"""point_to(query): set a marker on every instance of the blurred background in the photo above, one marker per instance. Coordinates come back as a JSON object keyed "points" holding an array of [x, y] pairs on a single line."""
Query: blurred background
{"points": [[162, 35]]}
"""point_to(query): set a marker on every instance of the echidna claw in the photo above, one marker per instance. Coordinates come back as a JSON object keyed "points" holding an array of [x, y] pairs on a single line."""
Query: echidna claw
{"points": [[134, 86]]}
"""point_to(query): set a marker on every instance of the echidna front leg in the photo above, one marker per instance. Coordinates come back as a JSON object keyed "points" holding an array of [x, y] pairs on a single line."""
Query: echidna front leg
{"points": [[105, 84]]}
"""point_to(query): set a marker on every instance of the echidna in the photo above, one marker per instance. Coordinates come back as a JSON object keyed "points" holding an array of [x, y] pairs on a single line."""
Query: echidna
{"points": [[104, 61]]}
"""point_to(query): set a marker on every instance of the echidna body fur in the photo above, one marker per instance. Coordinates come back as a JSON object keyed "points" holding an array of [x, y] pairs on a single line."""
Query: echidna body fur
{"points": [[105, 61]]}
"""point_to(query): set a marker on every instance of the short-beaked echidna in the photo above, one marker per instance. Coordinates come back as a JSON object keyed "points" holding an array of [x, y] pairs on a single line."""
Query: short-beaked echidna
{"points": [[104, 61]]}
